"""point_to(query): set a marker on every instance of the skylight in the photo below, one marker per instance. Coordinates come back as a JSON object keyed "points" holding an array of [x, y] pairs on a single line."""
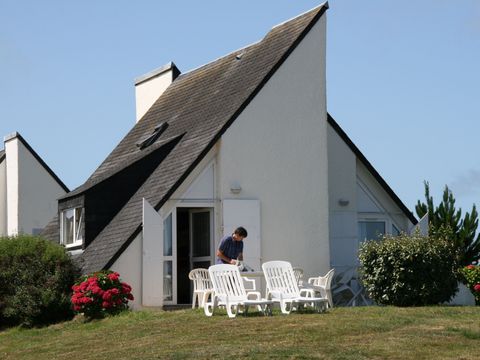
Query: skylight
{"points": [[150, 139]]}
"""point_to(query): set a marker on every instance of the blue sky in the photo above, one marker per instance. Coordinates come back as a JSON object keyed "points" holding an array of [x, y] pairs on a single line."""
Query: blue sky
{"points": [[402, 78]]}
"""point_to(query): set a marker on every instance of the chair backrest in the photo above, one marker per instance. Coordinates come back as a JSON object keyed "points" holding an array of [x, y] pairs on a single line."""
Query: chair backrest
{"points": [[201, 279], [226, 281], [298, 272], [325, 282], [280, 278]]}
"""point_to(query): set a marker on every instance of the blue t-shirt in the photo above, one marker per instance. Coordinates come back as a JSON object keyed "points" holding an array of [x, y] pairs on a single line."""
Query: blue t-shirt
{"points": [[230, 248]]}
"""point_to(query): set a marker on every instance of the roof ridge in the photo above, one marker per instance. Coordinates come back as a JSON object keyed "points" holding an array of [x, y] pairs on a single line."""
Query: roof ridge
{"points": [[316, 8]]}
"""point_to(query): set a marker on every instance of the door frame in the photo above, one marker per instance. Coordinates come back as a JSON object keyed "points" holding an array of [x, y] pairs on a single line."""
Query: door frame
{"points": [[212, 235], [188, 204]]}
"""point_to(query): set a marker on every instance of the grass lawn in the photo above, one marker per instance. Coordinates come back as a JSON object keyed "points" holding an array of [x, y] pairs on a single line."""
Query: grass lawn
{"points": [[342, 333]]}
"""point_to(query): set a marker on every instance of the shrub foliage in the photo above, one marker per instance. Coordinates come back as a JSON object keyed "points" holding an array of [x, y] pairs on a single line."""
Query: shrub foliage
{"points": [[471, 278], [35, 280], [408, 270]]}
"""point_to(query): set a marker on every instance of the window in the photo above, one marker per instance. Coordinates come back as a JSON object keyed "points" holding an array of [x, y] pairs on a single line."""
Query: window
{"points": [[370, 230], [71, 227]]}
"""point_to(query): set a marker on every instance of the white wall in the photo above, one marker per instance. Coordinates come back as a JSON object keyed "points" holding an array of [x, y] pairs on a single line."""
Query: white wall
{"points": [[129, 266], [11, 159], [342, 186], [350, 180], [32, 192], [277, 152], [3, 198], [386, 204]]}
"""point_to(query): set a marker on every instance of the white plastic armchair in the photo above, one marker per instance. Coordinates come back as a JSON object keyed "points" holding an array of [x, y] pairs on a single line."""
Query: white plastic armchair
{"points": [[323, 285], [282, 287], [202, 286], [298, 272], [229, 291]]}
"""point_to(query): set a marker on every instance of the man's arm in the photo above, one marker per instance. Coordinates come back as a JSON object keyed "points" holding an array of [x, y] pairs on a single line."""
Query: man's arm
{"points": [[222, 256], [240, 256]]}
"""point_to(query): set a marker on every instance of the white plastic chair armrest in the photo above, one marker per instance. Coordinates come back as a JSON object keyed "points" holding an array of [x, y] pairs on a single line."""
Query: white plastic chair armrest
{"points": [[312, 280], [250, 283]]}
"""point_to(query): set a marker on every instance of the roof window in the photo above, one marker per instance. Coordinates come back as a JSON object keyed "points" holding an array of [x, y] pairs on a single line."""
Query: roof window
{"points": [[150, 139]]}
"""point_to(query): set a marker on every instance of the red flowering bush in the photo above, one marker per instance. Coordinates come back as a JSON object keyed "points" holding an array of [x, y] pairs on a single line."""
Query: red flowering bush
{"points": [[101, 293], [471, 278]]}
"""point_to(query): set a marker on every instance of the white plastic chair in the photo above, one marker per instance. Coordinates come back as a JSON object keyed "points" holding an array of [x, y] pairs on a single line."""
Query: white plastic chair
{"points": [[228, 291], [282, 287], [323, 285], [202, 286], [298, 272]]}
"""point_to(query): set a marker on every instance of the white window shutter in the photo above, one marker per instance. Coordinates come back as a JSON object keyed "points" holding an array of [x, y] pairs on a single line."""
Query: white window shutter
{"points": [[152, 257]]}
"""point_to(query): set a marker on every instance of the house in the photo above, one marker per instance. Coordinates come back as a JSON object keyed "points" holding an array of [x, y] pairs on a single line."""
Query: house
{"points": [[244, 140], [29, 189]]}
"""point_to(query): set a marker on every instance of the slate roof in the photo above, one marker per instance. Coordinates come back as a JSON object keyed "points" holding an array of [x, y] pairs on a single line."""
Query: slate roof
{"points": [[200, 105]]}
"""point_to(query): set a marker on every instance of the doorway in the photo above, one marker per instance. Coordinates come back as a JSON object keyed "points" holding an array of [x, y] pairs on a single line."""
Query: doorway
{"points": [[194, 246]]}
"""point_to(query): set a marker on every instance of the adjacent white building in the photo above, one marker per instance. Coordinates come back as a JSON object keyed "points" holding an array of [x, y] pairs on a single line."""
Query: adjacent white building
{"points": [[29, 189]]}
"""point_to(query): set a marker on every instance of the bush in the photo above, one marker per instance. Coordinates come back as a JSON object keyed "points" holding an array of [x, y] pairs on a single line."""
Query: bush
{"points": [[471, 278], [409, 270], [35, 280], [101, 293]]}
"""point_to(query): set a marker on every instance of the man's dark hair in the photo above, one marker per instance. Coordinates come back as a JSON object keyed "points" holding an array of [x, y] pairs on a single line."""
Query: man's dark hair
{"points": [[241, 231]]}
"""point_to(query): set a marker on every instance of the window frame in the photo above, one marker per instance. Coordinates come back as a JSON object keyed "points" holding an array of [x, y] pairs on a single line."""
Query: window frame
{"points": [[77, 229]]}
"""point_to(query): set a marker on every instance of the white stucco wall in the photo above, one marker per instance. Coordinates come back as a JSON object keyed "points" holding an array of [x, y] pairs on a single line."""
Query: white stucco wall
{"points": [[32, 192], [3, 198], [342, 186], [12, 176], [276, 150], [129, 266], [382, 199], [350, 180]]}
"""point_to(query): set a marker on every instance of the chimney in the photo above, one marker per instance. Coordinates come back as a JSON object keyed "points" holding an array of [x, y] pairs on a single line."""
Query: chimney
{"points": [[149, 87]]}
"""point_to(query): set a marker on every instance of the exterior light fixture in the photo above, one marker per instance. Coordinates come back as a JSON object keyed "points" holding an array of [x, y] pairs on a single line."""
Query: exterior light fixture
{"points": [[343, 202], [235, 188]]}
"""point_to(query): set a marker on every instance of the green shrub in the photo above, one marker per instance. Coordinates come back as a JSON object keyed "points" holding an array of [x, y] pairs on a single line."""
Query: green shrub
{"points": [[409, 270], [471, 277], [36, 276]]}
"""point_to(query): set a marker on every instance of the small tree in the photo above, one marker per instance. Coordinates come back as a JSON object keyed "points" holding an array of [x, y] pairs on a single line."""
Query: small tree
{"points": [[446, 218]]}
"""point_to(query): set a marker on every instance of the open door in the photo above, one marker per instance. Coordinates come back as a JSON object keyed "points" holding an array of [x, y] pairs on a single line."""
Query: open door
{"points": [[201, 238], [152, 257]]}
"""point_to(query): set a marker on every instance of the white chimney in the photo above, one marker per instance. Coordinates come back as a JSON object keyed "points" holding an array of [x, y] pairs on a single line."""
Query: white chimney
{"points": [[149, 87]]}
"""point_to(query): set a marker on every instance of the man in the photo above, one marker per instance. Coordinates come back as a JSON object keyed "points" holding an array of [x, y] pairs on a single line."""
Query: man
{"points": [[230, 250]]}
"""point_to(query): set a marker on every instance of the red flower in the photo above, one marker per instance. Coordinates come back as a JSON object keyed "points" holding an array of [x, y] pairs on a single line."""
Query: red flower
{"points": [[477, 288], [126, 288], [129, 296], [106, 304], [114, 276], [107, 295], [471, 267], [115, 291]]}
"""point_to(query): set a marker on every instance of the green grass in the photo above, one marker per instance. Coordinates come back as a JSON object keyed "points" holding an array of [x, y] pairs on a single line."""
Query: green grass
{"points": [[342, 333]]}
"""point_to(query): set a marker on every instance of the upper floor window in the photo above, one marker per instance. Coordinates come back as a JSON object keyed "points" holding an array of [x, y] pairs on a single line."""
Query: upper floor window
{"points": [[71, 227], [371, 230]]}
